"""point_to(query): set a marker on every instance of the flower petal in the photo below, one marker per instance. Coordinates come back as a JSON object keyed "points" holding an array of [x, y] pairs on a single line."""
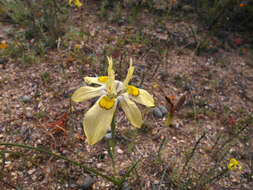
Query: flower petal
{"points": [[78, 3], [143, 98], [110, 83], [93, 80], [87, 92], [129, 73], [97, 122], [70, 2], [131, 110]]}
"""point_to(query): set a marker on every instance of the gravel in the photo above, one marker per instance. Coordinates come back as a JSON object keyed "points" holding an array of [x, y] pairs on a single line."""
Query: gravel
{"points": [[157, 113]]}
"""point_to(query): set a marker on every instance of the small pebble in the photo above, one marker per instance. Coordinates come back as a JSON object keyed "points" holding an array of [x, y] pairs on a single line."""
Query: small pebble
{"points": [[126, 186], [108, 136], [164, 75], [159, 30], [155, 186], [187, 87], [23, 130], [157, 113], [87, 183], [164, 110], [99, 165], [121, 22], [29, 114], [30, 172], [26, 98], [120, 151], [187, 8], [73, 186]]}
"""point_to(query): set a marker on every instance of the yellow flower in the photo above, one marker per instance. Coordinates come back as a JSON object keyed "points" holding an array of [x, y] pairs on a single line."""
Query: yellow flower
{"points": [[98, 119], [234, 164], [77, 46], [155, 85], [3, 44], [76, 2], [241, 4]]}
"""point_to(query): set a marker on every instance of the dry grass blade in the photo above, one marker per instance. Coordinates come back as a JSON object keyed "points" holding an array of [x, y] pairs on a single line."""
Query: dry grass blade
{"points": [[56, 127], [179, 104]]}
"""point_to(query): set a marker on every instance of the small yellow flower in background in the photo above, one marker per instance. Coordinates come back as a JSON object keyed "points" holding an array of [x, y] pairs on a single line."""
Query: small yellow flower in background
{"points": [[76, 2], [234, 164], [77, 46], [241, 4], [3, 44], [155, 85], [98, 119]]}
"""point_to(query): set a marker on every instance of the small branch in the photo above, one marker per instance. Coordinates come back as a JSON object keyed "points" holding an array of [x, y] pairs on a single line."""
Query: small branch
{"points": [[122, 180], [142, 79], [155, 71], [91, 170], [160, 147], [192, 152], [212, 180], [7, 184]]}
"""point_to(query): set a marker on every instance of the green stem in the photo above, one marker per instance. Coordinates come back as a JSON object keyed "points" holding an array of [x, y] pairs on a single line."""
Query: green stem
{"points": [[123, 179], [91, 170], [113, 145], [20, 155]]}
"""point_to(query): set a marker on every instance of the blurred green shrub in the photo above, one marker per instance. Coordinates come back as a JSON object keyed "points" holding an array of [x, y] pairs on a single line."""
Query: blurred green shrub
{"points": [[232, 15], [40, 20]]}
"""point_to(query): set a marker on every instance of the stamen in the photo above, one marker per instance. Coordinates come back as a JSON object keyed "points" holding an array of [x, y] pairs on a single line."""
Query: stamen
{"points": [[103, 79], [106, 102], [132, 90]]}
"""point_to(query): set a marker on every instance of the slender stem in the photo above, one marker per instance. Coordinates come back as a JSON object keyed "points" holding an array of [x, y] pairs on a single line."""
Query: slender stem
{"points": [[123, 179], [20, 155], [160, 148], [91, 170], [7, 184], [113, 145], [109, 150], [192, 152], [212, 180]]}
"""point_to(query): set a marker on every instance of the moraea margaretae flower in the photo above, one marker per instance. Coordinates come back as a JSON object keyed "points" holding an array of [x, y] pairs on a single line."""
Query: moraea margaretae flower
{"points": [[98, 119]]}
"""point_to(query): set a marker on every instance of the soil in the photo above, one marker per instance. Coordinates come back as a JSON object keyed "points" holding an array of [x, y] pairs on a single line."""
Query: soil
{"points": [[218, 86]]}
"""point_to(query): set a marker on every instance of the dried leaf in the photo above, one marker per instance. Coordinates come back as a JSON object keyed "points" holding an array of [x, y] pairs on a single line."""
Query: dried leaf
{"points": [[179, 103], [59, 125], [169, 99]]}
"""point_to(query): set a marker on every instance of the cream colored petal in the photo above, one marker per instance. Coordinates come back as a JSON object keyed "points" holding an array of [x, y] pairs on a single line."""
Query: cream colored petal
{"points": [[119, 86], [143, 98], [92, 80], [129, 73], [78, 3], [110, 83], [97, 122], [87, 92], [132, 111]]}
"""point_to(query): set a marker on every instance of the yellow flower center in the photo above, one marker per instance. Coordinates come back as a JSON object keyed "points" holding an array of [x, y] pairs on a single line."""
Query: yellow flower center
{"points": [[132, 90], [106, 102], [103, 79]]}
